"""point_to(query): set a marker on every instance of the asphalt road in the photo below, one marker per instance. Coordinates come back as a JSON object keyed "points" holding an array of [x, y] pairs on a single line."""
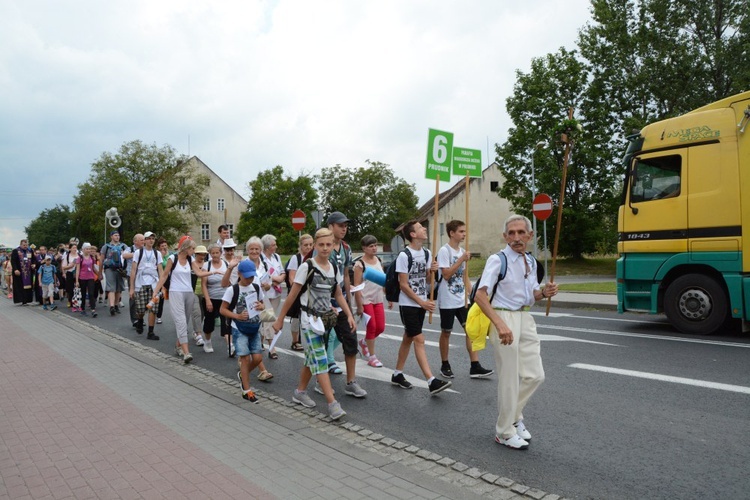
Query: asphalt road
{"points": [[630, 408]]}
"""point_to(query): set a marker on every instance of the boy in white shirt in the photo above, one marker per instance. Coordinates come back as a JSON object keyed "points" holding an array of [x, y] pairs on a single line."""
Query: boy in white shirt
{"points": [[413, 303], [241, 303], [452, 259]]}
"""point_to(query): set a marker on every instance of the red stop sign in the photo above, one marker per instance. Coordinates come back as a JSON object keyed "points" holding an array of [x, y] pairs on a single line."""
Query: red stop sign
{"points": [[299, 220], [542, 207]]}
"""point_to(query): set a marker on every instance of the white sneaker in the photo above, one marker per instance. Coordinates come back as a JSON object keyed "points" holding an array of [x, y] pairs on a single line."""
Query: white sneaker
{"points": [[178, 352], [207, 347], [198, 339], [158, 321], [514, 442], [522, 431], [187, 358]]}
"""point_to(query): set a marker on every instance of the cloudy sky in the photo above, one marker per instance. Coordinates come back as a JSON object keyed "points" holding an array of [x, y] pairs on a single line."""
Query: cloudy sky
{"points": [[247, 85]]}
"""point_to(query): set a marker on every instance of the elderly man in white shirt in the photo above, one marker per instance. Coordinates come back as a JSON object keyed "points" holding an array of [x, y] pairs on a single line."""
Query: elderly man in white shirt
{"points": [[513, 333]]}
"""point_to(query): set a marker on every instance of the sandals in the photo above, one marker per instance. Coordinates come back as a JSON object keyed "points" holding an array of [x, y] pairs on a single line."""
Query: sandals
{"points": [[265, 376], [334, 369], [273, 355], [296, 346]]}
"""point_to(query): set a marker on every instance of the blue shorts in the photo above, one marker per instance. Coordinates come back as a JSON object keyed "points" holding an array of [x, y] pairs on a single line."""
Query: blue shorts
{"points": [[245, 344]]}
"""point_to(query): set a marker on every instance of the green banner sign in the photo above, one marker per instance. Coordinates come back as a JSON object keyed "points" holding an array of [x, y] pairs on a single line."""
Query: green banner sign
{"points": [[467, 161], [439, 155]]}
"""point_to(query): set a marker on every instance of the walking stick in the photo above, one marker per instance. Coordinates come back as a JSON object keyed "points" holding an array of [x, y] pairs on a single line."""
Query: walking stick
{"points": [[568, 146], [434, 242]]}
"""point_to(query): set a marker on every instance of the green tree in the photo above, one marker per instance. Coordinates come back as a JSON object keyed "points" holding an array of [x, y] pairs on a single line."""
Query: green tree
{"points": [[653, 59], [153, 188], [373, 197], [274, 196], [637, 61], [539, 104], [51, 227]]}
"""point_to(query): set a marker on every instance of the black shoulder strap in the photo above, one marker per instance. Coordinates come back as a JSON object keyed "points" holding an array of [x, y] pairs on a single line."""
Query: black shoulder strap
{"points": [[235, 296]]}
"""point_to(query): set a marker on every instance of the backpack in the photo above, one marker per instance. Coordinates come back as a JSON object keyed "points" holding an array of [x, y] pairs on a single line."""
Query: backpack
{"points": [[392, 286], [113, 256], [286, 270]]}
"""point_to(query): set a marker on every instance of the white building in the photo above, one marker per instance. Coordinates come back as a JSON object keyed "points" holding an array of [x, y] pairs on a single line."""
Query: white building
{"points": [[221, 205], [487, 212]]}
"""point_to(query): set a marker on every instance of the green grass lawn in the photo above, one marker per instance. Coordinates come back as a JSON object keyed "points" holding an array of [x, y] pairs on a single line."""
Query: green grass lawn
{"points": [[599, 287]]}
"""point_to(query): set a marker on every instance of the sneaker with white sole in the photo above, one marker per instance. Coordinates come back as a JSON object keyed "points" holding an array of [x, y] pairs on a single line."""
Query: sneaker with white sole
{"points": [[335, 411], [301, 397], [515, 442], [198, 338], [158, 321], [354, 389], [522, 431], [178, 352], [438, 385], [400, 381], [480, 371], [207, 346], [187, 358]]}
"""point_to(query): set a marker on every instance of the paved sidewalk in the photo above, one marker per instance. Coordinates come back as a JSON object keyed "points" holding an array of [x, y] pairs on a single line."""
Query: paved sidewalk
{"points": [[88, 414]]}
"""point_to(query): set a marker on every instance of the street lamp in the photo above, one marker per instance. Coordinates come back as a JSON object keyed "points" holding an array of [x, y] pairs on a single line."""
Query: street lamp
{"points": [[539, 145]]}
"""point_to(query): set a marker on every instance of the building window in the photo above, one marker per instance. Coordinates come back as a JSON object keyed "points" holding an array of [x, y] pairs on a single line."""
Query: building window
{"points": [[231, 230], [182, 181], [206, 205], [220, 204], [183, 205], [494, 185], [205, 231]]}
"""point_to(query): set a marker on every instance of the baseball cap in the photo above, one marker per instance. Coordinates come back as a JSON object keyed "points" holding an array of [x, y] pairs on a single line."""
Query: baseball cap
{"points": [[246, 269], [201, 249], [148, 234], [114, 231], [229, 243], [337, 218], [47, 257]]}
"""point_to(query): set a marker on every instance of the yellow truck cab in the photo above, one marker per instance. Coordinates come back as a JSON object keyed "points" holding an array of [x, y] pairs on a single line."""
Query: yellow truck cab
{"points": [[684, 218]]}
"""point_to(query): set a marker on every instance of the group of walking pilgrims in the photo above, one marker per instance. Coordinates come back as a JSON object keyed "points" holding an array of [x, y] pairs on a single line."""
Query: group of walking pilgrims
{"points": [[213, 288]]}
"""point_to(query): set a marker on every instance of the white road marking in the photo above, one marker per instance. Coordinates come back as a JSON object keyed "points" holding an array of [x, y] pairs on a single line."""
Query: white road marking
{"points": [[560, 338], [643, 336], [663, 378], [370, 372]]}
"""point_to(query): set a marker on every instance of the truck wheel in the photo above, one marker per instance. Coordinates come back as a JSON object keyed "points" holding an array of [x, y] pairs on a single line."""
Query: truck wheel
{"points": [[696, 304]]}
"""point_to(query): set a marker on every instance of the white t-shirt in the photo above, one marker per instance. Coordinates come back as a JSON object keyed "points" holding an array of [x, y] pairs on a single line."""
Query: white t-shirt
{"points": [[213, 282], [247, 299], [417, 275], [452, 291], [180, 280], [319, 291], [147, 267]]}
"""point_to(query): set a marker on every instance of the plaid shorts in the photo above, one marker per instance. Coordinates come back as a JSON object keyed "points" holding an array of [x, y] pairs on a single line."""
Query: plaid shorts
{"points": [[142, 298], [315, 352]]}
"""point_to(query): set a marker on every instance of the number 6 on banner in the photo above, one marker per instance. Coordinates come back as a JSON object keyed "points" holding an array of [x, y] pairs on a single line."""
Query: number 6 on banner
{"points": [[439, 155]]}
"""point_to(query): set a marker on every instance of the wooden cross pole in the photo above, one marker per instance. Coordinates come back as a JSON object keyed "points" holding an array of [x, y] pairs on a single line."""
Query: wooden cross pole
{"points": [[466, 249], [434, 242], [568, 146]]}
